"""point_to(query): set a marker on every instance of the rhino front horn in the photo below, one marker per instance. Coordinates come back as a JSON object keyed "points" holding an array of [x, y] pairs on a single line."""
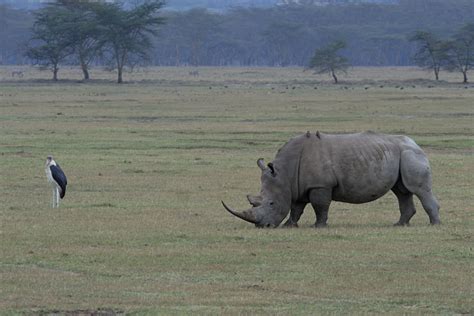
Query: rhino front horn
{"points": [[245, 215]]}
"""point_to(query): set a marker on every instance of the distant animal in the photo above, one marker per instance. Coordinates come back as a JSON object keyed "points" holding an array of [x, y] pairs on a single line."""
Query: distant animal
{"points": [[57, 179], [194, 73], [319, 168], [17, 73]]}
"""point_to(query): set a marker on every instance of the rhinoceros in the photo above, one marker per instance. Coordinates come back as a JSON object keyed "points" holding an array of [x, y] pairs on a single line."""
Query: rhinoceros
{"points": [[357, 168]]}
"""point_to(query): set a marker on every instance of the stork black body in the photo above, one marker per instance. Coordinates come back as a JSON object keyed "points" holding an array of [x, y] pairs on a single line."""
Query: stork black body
{"points": [[60, 179], [57, 179]]}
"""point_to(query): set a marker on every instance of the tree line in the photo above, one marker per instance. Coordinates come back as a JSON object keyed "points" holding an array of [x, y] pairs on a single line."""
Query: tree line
{"points": [[90, 30], [455, 54], [375, 34]]}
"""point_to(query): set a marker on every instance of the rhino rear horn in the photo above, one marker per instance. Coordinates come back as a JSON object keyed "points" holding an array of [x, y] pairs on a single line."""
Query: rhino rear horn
{"points": [[254, 200], [245, 215]]}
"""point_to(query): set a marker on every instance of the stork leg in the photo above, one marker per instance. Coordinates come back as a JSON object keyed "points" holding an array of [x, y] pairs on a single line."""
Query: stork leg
{"points": [[54, 197], [57, 197]]}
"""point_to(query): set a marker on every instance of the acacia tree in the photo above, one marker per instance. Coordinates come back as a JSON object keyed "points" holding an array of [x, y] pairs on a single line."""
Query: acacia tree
{"points": [[461, 51], [432, 51], [82, 30], [327, 60], [49, 45], [126, 33]]}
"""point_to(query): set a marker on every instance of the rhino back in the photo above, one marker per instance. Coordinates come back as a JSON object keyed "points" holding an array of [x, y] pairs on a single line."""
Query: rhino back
{"points": [[358, 167]]}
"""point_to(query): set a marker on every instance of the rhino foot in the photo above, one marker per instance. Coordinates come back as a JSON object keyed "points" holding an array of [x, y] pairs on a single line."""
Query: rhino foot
{"points": [[319, 225], [401, 224], [290, 224]]}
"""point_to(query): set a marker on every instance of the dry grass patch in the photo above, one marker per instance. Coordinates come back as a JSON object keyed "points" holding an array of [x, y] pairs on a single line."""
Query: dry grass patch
{"points": [[142, 230]]}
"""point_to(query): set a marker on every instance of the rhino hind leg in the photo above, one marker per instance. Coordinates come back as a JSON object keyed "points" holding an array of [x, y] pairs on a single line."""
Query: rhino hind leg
{"points": [[295, 214], [416, 177], [405, 203], [431, 206]]}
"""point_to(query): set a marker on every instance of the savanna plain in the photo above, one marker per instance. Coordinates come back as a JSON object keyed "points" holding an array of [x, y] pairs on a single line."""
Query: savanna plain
{"points": [[142, 229]]}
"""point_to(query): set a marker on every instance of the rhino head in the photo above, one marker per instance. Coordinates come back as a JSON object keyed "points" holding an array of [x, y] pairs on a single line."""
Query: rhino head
{"points": [[273, 204]]}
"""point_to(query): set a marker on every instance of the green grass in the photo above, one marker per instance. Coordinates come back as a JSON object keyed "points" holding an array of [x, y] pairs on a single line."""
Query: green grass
{"points": [[142, 230]]}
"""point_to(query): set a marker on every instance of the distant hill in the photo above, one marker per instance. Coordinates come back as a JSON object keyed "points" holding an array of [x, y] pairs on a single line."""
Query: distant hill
{"points": [[329, 2], [279, 35], [214, 5], [22, 4], [180, 5], [176, 5]]}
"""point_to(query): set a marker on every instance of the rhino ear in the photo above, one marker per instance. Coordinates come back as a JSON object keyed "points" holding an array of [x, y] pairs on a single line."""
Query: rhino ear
{"points": [[272, 168], [261, 164]]}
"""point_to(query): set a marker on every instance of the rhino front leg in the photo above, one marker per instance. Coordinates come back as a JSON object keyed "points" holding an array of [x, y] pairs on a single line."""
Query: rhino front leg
{"points": [[295, 214], [320, 200]]}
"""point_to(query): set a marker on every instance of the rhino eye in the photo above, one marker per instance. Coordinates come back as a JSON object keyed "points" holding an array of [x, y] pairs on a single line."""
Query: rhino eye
{"points": [[271, 202]]}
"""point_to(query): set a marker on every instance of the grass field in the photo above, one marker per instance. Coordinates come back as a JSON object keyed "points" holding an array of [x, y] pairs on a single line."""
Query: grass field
{"points": [[142, 231]]}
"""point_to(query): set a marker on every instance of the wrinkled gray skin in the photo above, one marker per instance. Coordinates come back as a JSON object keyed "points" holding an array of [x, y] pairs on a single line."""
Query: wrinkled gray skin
{"points": [[353, 168]]}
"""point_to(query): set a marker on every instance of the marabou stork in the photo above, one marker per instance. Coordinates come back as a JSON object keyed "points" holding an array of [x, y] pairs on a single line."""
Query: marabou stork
{"points": [[57, 179]]}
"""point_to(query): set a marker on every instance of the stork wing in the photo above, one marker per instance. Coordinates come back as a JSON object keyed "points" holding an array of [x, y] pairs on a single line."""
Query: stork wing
{"points": [[60, 178]]}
